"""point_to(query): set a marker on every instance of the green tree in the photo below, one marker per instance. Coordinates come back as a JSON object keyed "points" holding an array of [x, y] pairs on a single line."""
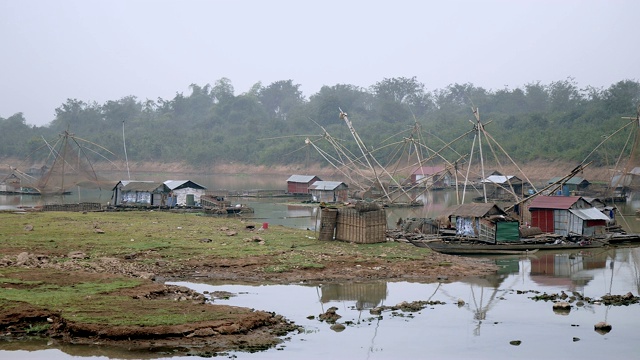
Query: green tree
{"points": [[280, 97]]}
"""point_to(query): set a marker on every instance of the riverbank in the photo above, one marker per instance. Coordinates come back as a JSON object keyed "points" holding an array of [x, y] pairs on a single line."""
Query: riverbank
{"points": [[536, 171], [98, 278]]}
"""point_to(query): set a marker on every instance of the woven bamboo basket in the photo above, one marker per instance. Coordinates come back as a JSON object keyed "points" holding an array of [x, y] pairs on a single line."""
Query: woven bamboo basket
{"points": [[362, 227]]}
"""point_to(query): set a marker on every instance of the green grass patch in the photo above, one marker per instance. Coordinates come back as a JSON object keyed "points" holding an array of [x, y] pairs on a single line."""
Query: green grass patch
{"points": [[147, 237]]}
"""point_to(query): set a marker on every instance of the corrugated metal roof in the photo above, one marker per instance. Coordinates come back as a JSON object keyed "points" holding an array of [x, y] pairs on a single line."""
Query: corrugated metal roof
{"points": [[589, 214], [576, 180], [428, 170], [176, 184], [301, 178], [141, 185], [553, 202], [326, 185], [475, 210], [499, 179]]}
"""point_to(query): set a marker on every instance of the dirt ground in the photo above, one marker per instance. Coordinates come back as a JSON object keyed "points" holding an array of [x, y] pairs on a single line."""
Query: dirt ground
{"points": [[242, 329]]}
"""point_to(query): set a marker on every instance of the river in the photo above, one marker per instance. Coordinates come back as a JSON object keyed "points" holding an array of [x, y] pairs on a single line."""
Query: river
{"points": [[480, 318]]}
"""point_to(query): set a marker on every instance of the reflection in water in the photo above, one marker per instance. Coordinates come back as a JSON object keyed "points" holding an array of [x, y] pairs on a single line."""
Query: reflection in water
{"points": [[366, 295], [497, 310], [486, 292]]}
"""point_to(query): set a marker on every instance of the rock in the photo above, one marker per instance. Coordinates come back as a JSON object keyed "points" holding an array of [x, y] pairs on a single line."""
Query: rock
{"points": [[28, 227], [229, 329], [204, 332], [375, 311], [460, 302], [562, 308], [337, 327], [330, 316], [145, 275], [602, 328], [77, 255], [23, 257]]}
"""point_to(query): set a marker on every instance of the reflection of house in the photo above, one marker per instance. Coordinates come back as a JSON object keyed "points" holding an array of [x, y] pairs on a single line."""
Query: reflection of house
{"points": [[299, 184], [329, 191], [566, 215], [485, 221], [10, 185], [366, 295], [129, 192], [565, 270], [502, 186], [185, 192], [431, 176], [570, 186]]}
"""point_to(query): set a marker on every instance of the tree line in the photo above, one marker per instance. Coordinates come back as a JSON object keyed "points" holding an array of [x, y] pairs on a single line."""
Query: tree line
{"points": [[268, 125]]}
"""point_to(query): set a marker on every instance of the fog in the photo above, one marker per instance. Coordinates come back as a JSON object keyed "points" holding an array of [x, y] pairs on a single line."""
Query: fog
{"points": [[106, 50]]}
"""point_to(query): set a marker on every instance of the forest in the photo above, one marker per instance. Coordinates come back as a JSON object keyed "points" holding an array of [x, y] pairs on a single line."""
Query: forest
{"points": [[268, 124]]}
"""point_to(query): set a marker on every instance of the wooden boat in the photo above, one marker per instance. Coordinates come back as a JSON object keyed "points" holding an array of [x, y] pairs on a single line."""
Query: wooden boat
{"points": [[476, 248], [624, 238]]}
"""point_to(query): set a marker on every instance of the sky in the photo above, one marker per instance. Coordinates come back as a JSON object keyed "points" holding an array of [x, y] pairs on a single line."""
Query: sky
{"points": [[96, 51]]}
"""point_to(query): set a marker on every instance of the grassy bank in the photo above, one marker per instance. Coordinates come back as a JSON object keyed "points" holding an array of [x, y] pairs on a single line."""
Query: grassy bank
{"points": [[84, 266]]}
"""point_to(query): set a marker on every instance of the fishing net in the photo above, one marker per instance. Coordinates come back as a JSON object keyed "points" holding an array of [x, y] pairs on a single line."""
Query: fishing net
{"points": [[69, 162]]}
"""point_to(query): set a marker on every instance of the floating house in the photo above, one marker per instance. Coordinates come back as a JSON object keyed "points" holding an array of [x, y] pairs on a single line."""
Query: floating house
{"points": [[299, 184], [11, 185], [609, 211], [485, 221], [140, 193], [567, 216], [502, 186], [184, 192], [432, 176], [629, 180], [571, 186], [329, 191]]}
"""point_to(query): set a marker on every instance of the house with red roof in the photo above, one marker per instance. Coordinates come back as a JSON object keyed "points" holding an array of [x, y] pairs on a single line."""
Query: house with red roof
{"points": [[432, 176], [566, 215], [299, 184]]}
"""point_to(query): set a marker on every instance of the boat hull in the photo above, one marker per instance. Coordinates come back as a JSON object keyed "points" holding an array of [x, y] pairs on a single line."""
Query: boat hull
{"points": [[462, 248]]}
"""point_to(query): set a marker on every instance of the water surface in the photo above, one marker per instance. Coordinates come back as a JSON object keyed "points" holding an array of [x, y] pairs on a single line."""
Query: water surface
{"points": [[497, 310]]}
